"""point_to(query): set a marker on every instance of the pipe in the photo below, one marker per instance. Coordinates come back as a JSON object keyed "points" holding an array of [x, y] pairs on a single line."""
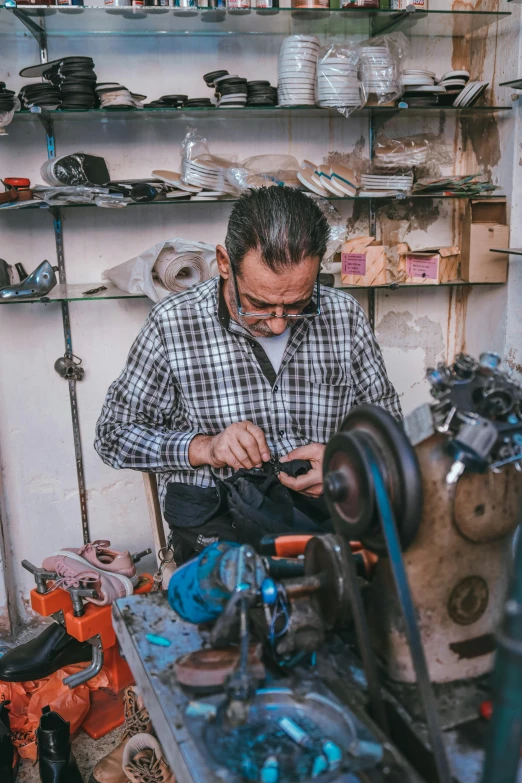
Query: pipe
{"points": [[505, 732]]}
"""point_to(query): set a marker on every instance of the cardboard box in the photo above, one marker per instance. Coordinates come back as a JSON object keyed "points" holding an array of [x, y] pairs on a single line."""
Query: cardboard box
{"points": [[430, 265], [363, 262], [485, 226]]}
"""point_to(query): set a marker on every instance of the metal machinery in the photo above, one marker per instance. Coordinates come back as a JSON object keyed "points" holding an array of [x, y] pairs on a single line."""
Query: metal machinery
{"points": [[384, 645]]}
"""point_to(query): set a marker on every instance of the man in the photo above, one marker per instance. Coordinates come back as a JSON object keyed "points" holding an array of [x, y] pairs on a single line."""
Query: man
{"points": [[255, 366]]}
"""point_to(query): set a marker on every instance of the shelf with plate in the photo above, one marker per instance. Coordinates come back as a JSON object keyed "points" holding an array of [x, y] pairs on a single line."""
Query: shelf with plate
{"points": [[232, 200], [246, 112], [71, 21]]}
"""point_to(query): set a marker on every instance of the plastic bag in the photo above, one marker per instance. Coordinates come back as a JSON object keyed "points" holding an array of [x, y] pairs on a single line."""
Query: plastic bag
{"points": [[264, 170], [338, 85], [337, 234], [57, 196], [409, 151], [200, 168], [178, 262], [79, 168], [28, 698], [380, 68], [6, 117]]}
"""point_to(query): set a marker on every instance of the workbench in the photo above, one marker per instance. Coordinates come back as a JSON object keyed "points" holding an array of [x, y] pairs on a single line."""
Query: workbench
{"points": [[153, 669]]}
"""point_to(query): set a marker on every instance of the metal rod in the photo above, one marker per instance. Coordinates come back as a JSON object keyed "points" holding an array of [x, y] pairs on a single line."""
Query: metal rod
{"points": [[505, 733], [67, 335], [393, 546]]}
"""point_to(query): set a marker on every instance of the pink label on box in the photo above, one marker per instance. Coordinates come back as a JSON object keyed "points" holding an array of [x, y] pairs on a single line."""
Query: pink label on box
{"points": [[417, 266], [353, 263]]}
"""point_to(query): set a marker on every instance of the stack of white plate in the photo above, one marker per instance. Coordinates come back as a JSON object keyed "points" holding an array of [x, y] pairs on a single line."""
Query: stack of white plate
{"points": [[333, 180], [384, 182], [416, 77], [337, 83], [206, 175], [378, 71], [471, 92], [297, 64]]}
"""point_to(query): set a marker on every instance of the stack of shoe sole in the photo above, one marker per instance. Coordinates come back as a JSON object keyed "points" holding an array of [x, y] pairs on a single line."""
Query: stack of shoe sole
{"points": [[261, 93], [6, 98], [70, 84], [168, 102], [115, 96], [198, 103], [43, 95], [77, 82]]}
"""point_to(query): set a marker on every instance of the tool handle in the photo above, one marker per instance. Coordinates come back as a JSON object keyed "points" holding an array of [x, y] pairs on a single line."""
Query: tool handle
{"points": [[284, 546], [284, 568]]}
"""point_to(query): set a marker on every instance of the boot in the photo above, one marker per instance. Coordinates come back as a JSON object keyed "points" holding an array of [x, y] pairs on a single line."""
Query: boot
{"points": [[9, 759], [55, 757], [44, 655], [109, 769], [143, 761]]}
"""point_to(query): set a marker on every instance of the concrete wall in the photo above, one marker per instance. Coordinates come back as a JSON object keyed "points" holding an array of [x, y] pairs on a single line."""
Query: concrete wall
{"points": [[416, 328]]}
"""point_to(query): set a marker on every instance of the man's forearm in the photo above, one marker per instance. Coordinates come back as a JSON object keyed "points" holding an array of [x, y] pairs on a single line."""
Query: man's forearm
{"points": [[199, 450]]}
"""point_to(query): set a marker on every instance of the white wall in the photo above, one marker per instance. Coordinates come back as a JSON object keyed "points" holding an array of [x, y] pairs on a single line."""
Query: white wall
{"points": [[416, 328]]}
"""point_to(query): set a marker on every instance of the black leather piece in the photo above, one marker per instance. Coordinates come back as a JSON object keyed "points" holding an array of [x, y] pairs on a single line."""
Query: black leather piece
{"points": [[42, 656], [55, 758], [7, 773]]}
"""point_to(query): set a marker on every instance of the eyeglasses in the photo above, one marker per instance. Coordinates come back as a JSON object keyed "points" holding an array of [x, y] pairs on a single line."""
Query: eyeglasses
{"points": [[289, 316]]}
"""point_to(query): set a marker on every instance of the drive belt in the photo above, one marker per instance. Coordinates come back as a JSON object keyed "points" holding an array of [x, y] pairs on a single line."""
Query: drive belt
{"points": [[398, 570]]}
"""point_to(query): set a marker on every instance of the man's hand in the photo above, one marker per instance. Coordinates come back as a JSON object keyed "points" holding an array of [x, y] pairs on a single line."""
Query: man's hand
{"points": [[311, 484], [241, 445]]}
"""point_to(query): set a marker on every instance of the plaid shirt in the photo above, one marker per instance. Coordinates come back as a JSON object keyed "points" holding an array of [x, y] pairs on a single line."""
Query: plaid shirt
{"points": [[193, 370]]}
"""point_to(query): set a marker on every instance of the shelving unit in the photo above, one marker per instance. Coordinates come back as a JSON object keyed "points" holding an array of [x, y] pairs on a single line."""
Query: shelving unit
{"points": [[76, 291], [66, 23]]}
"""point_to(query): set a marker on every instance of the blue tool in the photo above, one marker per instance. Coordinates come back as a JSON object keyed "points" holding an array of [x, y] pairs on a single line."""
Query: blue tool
{"points": [[200, 590], [159, 641], [270, 771]]}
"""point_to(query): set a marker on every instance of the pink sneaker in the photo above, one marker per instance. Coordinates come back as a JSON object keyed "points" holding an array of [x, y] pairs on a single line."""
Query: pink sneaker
{"points": [[99, 555], [71, 568]]}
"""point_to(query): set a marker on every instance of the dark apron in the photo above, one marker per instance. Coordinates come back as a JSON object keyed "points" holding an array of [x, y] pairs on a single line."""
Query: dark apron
{"points": [[243, 508]]}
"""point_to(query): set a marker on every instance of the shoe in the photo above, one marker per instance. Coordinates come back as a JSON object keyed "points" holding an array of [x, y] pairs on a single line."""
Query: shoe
{"points": [[71, 568], [143, 761], [99, 555], [9, 759], [55, 758], [137, 721], [44, 655]]}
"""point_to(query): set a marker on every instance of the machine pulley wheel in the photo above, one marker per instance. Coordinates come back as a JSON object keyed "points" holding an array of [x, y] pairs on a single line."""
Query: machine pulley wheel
{"points": [[348, 482], [325, 556]]}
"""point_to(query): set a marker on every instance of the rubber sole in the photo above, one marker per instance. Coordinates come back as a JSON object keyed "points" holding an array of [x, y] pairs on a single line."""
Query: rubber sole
{"points": [[129, 588]]}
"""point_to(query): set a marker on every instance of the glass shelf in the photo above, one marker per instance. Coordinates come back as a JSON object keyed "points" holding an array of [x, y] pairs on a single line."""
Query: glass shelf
{"points": [[75, 292], [69, 22], [232, 200], [253, 112]]}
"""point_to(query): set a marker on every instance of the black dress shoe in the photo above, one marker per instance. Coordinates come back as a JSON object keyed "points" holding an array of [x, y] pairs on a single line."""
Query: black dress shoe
{"points": [[8, 768], [55, 758], [43, 656]]}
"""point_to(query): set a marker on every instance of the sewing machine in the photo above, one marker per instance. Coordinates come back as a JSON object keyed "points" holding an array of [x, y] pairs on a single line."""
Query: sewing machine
{"points": [[369, 662]]}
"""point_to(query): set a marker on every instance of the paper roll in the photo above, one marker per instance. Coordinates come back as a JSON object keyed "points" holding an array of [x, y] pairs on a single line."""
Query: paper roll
{"points": [[179, 271]]}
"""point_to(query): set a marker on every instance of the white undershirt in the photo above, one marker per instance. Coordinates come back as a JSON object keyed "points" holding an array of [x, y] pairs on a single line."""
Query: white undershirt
{"points": [[274, 347]]}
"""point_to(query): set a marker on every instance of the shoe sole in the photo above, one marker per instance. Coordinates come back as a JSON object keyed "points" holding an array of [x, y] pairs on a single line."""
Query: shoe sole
{"points": [[126, 582]]}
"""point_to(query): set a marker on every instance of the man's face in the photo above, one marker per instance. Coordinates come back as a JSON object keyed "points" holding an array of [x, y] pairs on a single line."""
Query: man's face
{"points": [[261, 290]]}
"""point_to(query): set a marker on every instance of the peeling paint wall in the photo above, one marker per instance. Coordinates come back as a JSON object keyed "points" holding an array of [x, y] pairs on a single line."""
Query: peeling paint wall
{"points": [[416, 328]]}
